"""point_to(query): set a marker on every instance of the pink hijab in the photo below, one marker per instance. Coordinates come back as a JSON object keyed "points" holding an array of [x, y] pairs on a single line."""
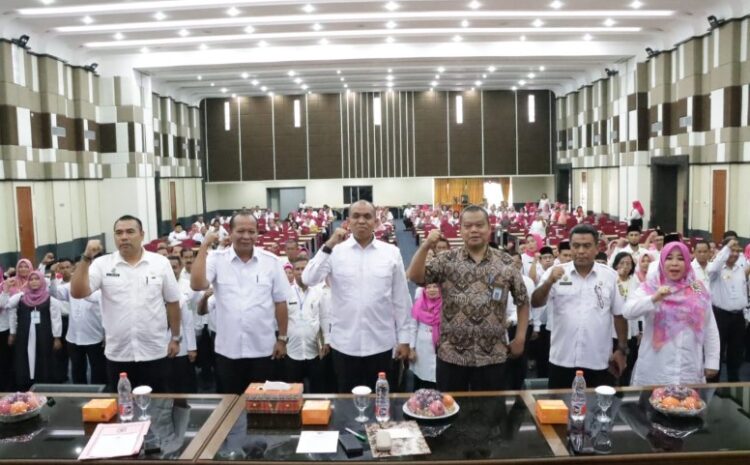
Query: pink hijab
{"points": [[746, 253], [20, 284], [685, 307], [637, 205], [539, 244], [428, 311], [33, 298]]}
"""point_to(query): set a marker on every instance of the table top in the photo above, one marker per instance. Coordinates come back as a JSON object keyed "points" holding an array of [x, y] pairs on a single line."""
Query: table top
{"points": [[180, 427]]}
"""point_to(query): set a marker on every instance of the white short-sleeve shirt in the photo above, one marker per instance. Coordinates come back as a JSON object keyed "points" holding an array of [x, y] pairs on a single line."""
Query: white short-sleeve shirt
{"points": [[246, 293], [133, 308], [583, 309]]}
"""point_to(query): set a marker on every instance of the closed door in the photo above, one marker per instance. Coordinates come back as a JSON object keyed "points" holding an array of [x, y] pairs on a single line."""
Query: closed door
{"points": [[173, 201], [719, 204], [25, 222]]}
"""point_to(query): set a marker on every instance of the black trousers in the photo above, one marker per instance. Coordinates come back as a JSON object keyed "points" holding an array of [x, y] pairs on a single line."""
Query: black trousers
{"points": [[632, 358], [61, 356], [359, 371], [6, 363], [453, 378], [328, 374], [541, 354], [731, 333], [235, 375], [562, 377], [638, 224], [419, 383], [152, 373], [83, 356], [516, 368], [205, 359], [181, 377], [299, 371]]}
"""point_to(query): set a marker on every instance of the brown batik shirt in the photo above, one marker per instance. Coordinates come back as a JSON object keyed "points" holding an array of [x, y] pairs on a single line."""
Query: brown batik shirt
{"points": [[473, 326]]}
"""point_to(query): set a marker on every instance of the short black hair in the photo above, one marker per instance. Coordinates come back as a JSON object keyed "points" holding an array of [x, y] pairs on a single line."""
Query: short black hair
{"points": [[178, 224], [64, 259], [672, 237], [730, 233], [601, 256], [291, 241], [474, 208], [242, 212], [174, 257], [546, 250], [703, 242], [186, 249], [584, 228], [128, 218], [634, 228], [301, 258], [563, 245], [660, 233], [619, 257]]}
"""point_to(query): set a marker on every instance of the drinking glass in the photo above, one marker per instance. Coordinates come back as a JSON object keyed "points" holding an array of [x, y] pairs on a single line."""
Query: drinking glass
{"points": [[142, 396], [604, 397], [361, 401]]}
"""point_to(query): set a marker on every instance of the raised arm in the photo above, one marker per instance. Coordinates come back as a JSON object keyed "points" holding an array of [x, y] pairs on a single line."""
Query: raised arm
{"points": [[540, 295], [80, 283], [198, 280], [319, 267], [416, 270]]}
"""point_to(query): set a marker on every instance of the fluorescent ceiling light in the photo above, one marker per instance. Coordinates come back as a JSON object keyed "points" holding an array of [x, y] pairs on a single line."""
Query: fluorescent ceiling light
{"points": [[298, 80], [160, 16], [342, 79], [514, 88], [477, 83], [262, 43], [609, 22], [484, 76], [390, 40], [346, 86], [522, 38], [263, 88], [183, 33], [118, 36], [323, 41], [474, 5], [465, 23], [441, 69], [244, 75], [390, 24], [291, 73], [200, 78], [587, 37], [389, 78], [542, 68], [223, 90], [389, 84], [392, 6], [254, 82], [390, 70], [213, 84], [145, 50], [338, 71], [531, 75], [203, 47], [433, 83], [308, 8], [303, 86], [233, 11], [317, 27], [457, 38], [87, 19], [249, 29], [522, 82], [538, 23], [636, 4], [557, 4], [491, 69]]}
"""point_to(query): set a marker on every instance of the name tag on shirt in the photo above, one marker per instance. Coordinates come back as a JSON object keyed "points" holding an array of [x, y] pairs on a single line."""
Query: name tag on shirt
{"points": [[565, 283], [35, 317], [497, 294]]}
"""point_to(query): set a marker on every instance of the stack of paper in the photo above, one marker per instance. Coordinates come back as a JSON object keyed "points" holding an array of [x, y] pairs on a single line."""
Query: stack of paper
{"points": [[115, 440]]}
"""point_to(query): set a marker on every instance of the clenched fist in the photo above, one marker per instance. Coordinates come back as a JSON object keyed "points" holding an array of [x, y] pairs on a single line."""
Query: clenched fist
{"points": [[556, 274], [338, 236], [433, 237], [93, 248]]}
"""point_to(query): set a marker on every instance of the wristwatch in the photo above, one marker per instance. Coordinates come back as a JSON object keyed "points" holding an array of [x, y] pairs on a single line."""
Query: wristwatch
{"points": [[283, 339], [177, 339], [624, 349], [326, 249], [86, 258]]}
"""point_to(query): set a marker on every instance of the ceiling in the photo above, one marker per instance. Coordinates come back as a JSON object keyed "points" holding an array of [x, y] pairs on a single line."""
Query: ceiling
{"points": [[200, 48]]}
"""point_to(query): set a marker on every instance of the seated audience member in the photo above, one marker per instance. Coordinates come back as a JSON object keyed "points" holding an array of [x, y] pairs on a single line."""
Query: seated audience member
{"points": [[539, 226], [308, 329], [178, 235], [199, 223], [35, 320], [680, 342], [579, 215], [627, 284], [425, 335]]}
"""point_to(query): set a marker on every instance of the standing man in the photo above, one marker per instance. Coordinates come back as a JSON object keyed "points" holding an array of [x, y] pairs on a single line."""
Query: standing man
{"points": [[701, 257], [476, 282], [630, 244], [250, 289], [371, 306], [64, 269], [582, 299], [728, 278], [136, 287], [181, 370]]}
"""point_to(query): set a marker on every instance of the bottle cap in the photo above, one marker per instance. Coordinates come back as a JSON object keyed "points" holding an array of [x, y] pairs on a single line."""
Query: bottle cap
{"points": [[381, 375], [123, 375], [579, 372]]}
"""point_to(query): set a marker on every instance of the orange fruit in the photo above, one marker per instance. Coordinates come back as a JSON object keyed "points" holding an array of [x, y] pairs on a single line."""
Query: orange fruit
{"points": [[448, 401], [670, 402], [691, 403], [18, 407]]}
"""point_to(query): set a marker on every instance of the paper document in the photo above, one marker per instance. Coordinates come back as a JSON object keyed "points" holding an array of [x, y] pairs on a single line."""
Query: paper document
{"points": [[115, 440], [318, 442]]}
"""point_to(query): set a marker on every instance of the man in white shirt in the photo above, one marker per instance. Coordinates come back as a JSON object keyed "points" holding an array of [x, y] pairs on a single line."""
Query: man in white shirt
{"points": [[291, 249], [701, 257], [203, 342], [633, 245], [140, 299], [728, 278], [582, 298], [371, 305], [199, 223], [85, 333], [308, 343], [250, 289], [178, 235], [517, 367], [181, 378]]}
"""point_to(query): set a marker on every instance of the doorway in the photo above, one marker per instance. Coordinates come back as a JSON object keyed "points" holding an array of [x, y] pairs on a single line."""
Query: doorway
{"points": [[563, 186], [285, 200], [173, 202], [669, 193], [26, 223], [718, 204]]}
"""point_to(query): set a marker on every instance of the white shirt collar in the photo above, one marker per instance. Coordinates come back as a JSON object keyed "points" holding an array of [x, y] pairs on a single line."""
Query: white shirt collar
{"points": [[119, 259], [233, 255], [352, 242]]}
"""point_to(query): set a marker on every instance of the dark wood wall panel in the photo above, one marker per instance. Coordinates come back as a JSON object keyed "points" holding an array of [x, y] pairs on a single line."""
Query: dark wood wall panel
{"points": [[499, 133], [257, 138], [291, 142], [466, 138], [534, 150], [222, 146], [325, 136], [430, 133]]}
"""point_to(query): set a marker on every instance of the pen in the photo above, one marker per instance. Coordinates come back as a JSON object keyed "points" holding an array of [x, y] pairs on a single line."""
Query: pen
{"points": [[356, 434]]}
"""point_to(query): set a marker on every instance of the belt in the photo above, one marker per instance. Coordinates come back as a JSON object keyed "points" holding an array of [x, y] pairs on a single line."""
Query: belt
{"points": [[729, 311]]}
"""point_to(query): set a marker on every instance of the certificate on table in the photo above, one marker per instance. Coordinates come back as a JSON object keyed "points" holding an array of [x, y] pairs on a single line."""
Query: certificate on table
{"points": [[115, 440], [318, 442]]}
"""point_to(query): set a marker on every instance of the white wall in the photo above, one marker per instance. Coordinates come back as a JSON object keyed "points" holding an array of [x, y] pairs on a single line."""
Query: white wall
{"points": [[529, 189], [131, 196]]}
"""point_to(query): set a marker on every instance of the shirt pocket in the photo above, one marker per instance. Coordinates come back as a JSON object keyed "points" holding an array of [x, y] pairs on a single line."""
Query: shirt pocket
{"points": [[154, 287], [115, 287]]}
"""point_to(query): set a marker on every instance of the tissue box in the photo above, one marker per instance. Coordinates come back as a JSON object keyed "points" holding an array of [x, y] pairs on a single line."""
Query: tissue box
{"points": [[552, 412], [99, 410], [273, 397], [316, 412]]}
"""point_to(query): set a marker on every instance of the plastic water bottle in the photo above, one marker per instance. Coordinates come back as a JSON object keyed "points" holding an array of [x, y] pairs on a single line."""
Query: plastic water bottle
{"points": [[124, 398], [578, 399], [382, 399]]}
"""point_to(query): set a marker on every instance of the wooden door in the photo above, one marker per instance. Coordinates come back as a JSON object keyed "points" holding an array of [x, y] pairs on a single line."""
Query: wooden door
{"points": [[173, 202], [26, 223], [719, 205]]}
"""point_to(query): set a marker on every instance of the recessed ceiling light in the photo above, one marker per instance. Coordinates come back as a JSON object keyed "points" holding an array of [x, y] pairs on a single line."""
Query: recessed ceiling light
{"points": [[390, 70], [587, 37], [542, 68], [437, 76], [262, 43], [391, 24], [392, 6], [522, 82], [346, 86], [323, 41], [270, 94], [484, 76], [183, 33], [118, 36], [609, 22], [465, 23], [457, 38], [298, 80], [389, 84], [254, 82], [234, 95], [477, 83], [390, 40], [538, 23], [244, 75], [491, 69], [522, 38], [87, 19], [159, 16], [291, 73], [389, 78], [636, 4], [557, 4], [203, 47], [441, 69], [47, 2], [472, 89], [433, 83], [200, 78], [233, 11], [474, 5], [213, 84], [531, 75], [514, 88], [144, 50], [308, 8], [223, 90], [303, 86], [342, 79], [317, 27], [263, 88], [249, 29]]}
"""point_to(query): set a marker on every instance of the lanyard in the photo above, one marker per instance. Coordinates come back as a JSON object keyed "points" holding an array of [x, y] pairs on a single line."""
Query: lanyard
{"points": [[300, 299]]}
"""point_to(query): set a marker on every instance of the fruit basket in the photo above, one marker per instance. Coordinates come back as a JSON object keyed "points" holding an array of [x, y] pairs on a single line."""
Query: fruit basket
{"points": [[429, 404], [677, 401], [20, 406]]}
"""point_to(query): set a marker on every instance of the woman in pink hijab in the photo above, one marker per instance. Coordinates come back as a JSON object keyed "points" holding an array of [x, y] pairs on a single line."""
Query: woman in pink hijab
{"points": [[17, 284], [35, 330], [680, 342], [534, 242], [636, 215], [425, 336]]}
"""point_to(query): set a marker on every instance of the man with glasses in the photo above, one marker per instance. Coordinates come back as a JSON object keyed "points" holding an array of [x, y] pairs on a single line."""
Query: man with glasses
{"points": [[582, 298]]}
